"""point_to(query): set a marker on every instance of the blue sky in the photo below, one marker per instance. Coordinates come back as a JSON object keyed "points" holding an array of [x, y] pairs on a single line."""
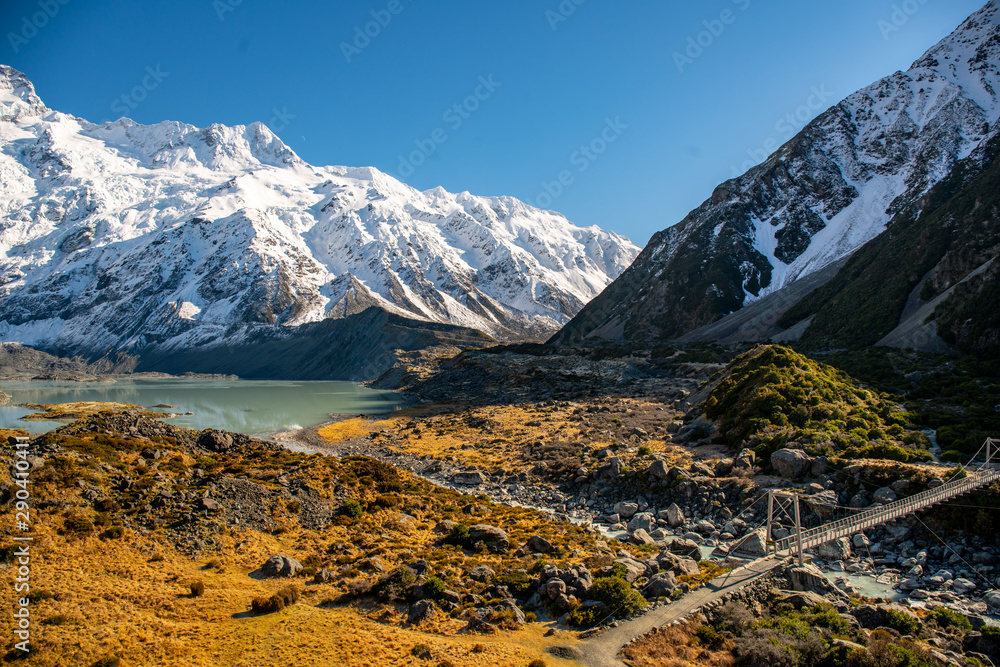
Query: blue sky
{"points": [[497, 98]]}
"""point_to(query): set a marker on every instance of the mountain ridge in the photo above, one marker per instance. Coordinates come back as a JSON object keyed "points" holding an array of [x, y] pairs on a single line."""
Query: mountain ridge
{"points": [[817, 199], [123, 237]]}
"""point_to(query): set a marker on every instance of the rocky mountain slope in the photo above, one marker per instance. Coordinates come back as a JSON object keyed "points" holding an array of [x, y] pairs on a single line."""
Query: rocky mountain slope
{"points": [[929, 282], [817, 199], [166, 239]]}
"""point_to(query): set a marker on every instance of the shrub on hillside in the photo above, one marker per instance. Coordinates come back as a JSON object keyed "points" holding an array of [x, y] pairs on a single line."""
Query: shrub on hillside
{"points": [[621, 599]]}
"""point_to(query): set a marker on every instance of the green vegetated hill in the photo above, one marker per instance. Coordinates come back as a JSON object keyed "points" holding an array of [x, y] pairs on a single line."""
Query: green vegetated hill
{"points": [[958, 397], [949, 240], [772, 396]]}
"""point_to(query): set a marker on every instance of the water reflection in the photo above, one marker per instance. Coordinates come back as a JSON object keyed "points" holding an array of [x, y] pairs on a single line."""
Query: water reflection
{"points": [[248, 406]]}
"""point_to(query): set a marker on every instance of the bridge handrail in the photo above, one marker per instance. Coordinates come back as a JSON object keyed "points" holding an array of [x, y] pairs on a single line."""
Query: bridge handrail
{"points": [[975, 479]]}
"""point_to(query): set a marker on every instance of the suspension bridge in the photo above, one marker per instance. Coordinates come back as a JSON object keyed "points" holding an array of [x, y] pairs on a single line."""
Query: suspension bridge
{"points": [[602, 650]]}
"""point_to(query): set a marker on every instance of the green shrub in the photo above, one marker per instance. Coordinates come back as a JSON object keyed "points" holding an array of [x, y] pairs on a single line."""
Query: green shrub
{"points": [[946, 618], [516, 581], [352, 508], [271, 605], [586, 617], [396, 584], [619, 596], [708, 636], [458, 535], [902, 622], [295, 507], [421, 651], [114, 533], [289, 595], [645, 450], [58, 619], [78, 524], [434, 587]]}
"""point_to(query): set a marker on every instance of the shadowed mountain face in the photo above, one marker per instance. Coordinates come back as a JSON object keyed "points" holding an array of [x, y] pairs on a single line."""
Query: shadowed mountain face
{"points": [[164, 239], [929, 282], [820, 197]]}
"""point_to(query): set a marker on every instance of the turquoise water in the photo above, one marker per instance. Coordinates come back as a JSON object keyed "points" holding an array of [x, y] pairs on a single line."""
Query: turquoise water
{"points": [[257, 407]]}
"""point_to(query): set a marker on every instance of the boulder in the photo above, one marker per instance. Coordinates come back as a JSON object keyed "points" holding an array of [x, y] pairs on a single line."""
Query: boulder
{"points": [[675, 516], [421, 611], [493, 538], [640, 536], [963, 586], [861, 541], [686, 548], [482, 573], [657, 470], [661, 584], [823, 504], [859, 500], [626, 510], [884, 496], [469, 478], [215, 441], [633, 568], [819, 466], [209, 505], [791, 463], [746, 459], [676, 564], [280, 566], [992, 600], [538, 545], [753, 545], [839, 549], [800, 599], [642, 521], [810, 578]]}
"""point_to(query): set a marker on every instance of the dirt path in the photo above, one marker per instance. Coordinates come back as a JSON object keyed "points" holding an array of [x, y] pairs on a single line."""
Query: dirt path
{"points": [[602, 650]]}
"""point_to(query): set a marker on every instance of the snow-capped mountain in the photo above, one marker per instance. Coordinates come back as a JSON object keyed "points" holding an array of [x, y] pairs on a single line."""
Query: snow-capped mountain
{"points": [[821, 196], [123, 236]]}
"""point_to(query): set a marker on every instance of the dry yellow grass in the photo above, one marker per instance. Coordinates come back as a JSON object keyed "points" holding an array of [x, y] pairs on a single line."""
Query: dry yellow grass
{"points": [[119, 602], [496, 437], [675, 646]]}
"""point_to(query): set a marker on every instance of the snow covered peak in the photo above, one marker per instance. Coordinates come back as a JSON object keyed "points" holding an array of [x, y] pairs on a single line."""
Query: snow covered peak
{"points": [[825, 193], [17, 96], [124, 235]]}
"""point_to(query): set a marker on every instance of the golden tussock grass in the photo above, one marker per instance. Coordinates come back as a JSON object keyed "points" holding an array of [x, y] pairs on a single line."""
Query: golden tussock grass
{"points": [[118, 600]]}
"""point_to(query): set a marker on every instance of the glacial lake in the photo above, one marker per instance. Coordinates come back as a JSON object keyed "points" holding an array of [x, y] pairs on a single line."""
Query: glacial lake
{"points": [[256, 407]]}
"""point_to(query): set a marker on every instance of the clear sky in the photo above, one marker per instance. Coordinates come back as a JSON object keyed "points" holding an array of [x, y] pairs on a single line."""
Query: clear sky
{"points": [[534, 80]]}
